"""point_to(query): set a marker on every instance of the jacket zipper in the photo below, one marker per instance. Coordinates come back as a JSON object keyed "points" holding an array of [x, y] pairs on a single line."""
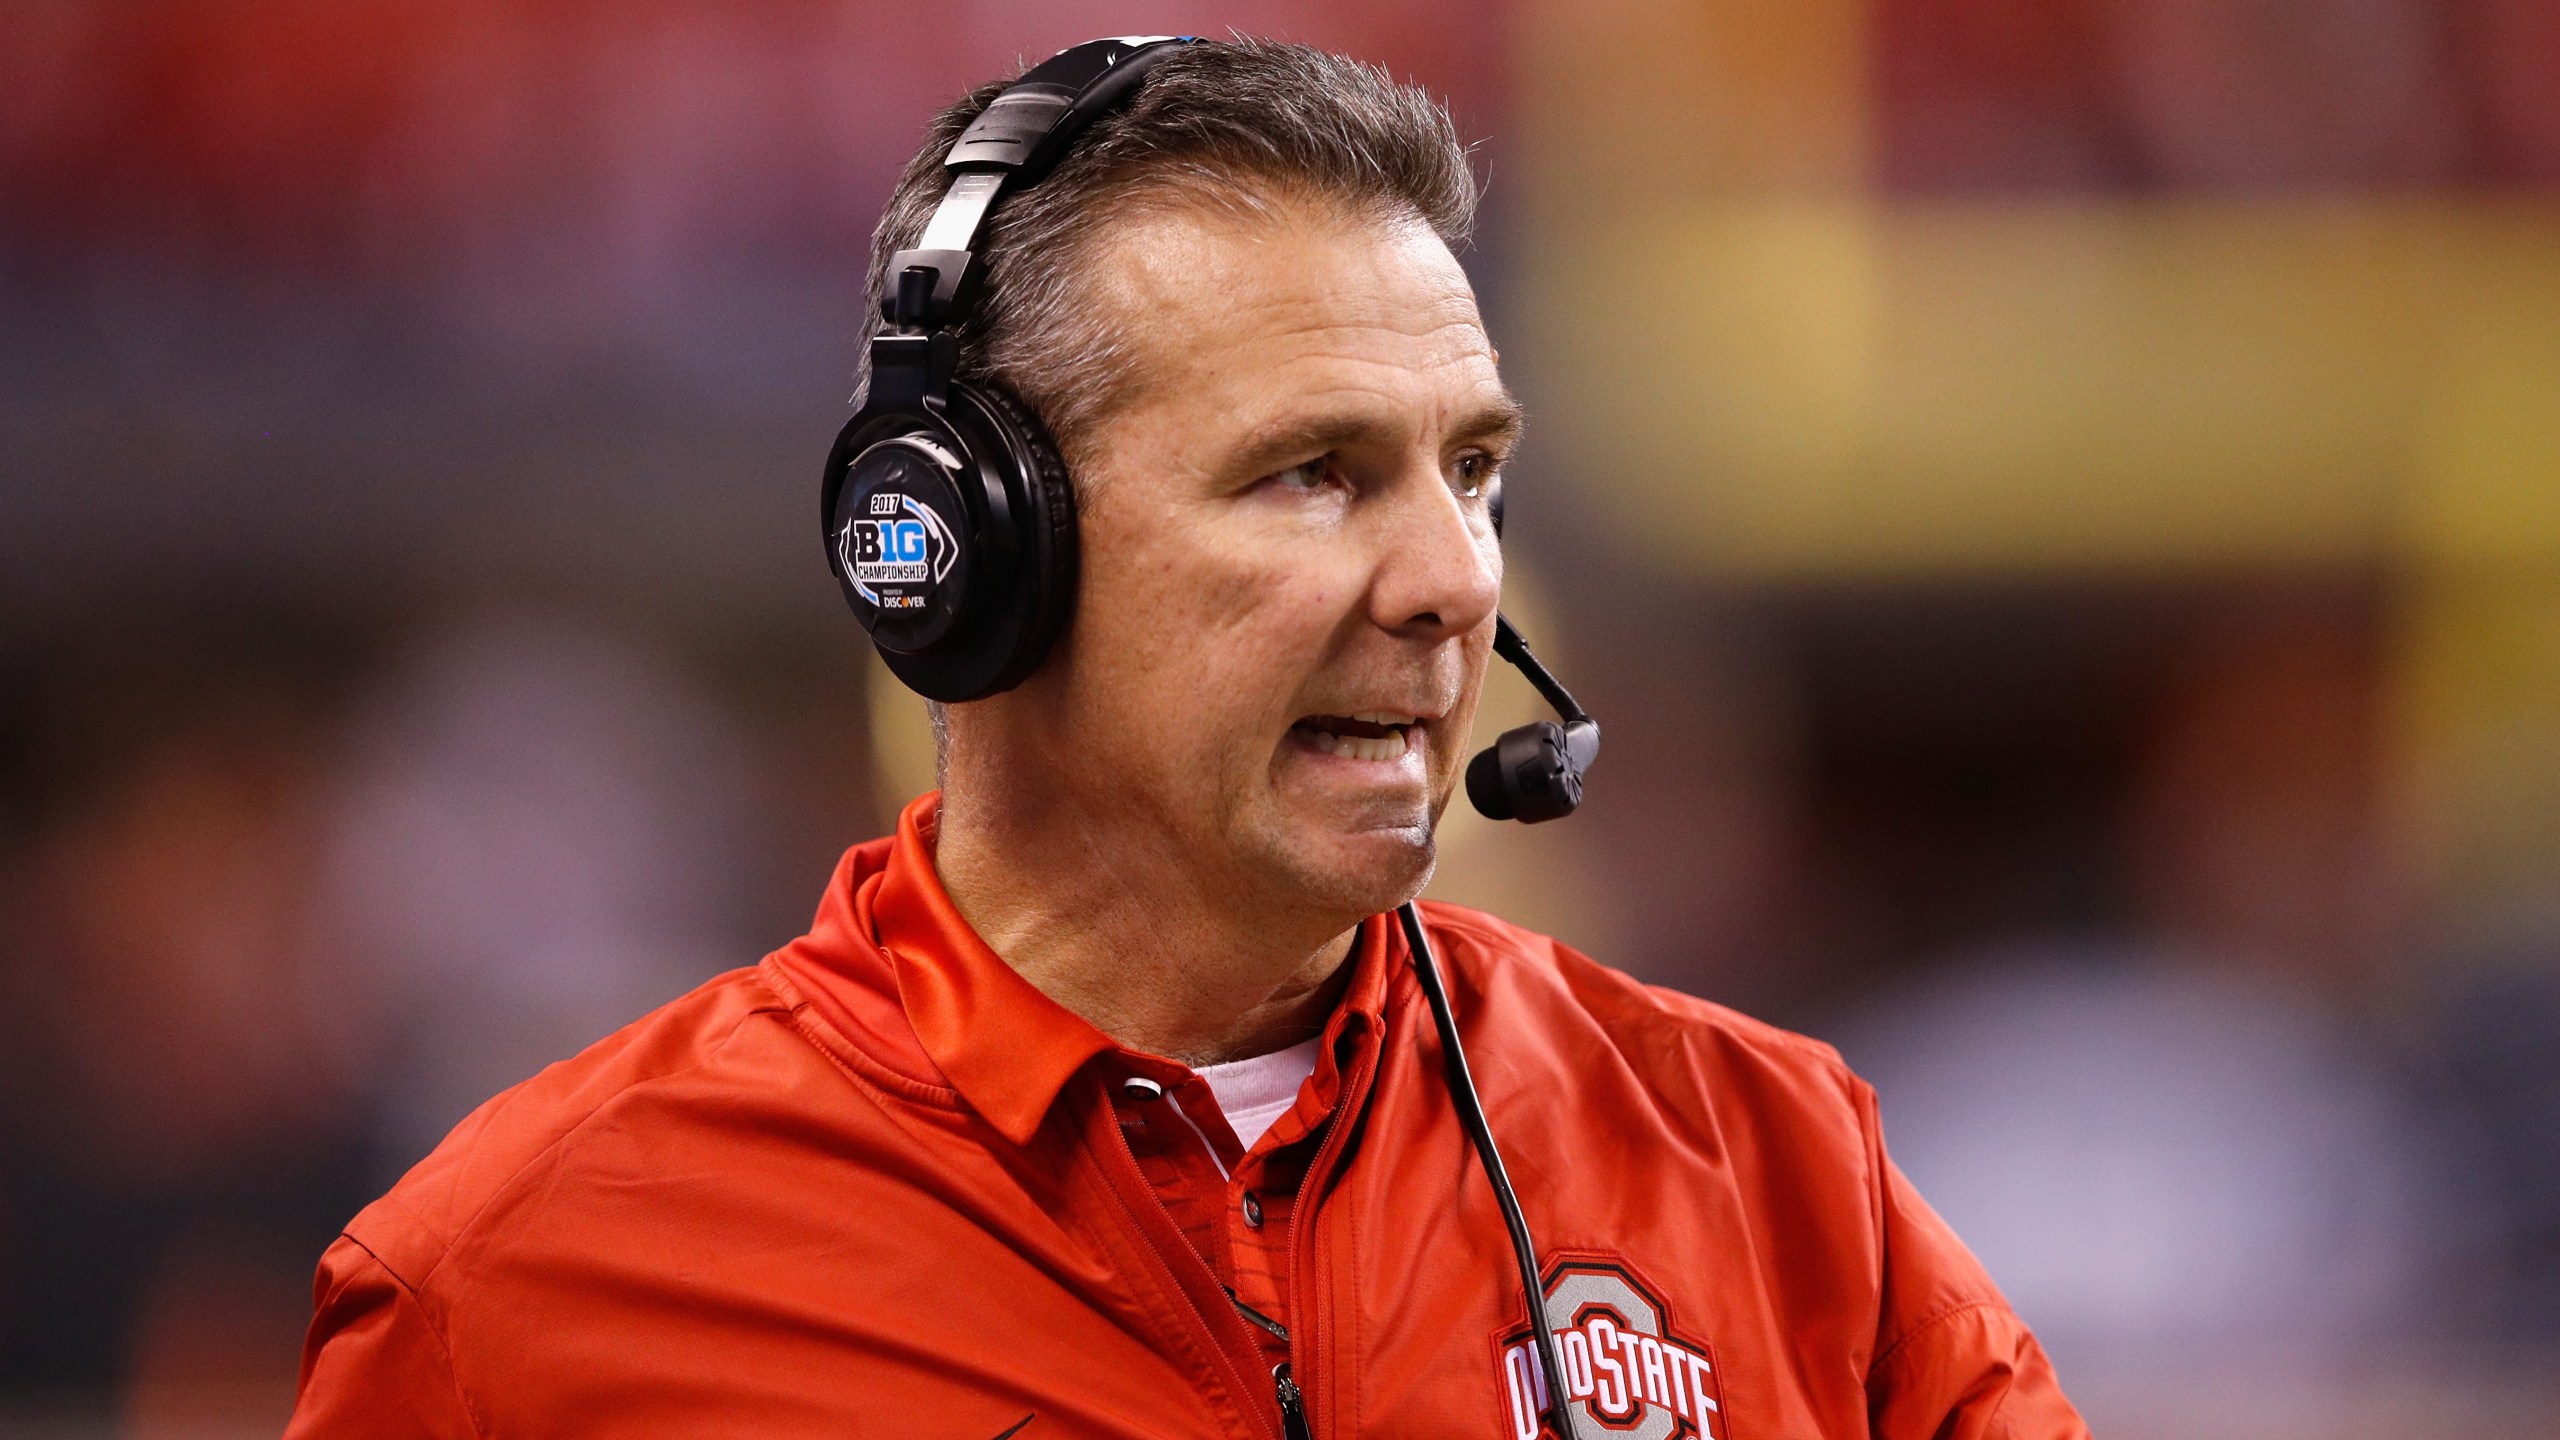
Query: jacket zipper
{"points": [[1353, 1098], [1293, 1406]]}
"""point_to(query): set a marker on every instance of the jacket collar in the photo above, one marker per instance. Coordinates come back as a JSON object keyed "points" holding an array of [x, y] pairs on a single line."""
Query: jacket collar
{"points": [[1006, 1047]]}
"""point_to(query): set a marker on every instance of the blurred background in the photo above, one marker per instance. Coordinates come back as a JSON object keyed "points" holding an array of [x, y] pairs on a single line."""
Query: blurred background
{"points": [[2057, 503]]}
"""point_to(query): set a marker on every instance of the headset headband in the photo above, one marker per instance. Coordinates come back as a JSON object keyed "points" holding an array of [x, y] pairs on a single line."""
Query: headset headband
{"points": [[1012, 144]]}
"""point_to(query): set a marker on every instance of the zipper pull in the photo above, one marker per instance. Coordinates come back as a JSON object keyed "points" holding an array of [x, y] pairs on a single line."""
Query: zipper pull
{"points": [[1293, 1405], [1257, 1317]]}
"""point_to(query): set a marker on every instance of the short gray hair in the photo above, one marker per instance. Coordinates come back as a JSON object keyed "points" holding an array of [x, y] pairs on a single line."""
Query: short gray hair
{"points": [[1227, 124]]}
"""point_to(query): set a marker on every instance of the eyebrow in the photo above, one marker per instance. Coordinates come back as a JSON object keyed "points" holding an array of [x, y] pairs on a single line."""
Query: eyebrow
{"points": [[1496, 423]]}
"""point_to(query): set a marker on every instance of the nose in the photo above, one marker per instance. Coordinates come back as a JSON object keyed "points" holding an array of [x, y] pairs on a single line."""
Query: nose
{"points": [[1439, 570]]}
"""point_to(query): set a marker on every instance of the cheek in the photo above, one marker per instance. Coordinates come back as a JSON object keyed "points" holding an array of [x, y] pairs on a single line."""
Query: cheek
{"points": [[1266, 615], [1169, 595]]}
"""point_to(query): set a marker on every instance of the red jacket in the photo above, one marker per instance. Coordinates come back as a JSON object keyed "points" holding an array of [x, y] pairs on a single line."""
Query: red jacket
{"points": [[879, 1185]]}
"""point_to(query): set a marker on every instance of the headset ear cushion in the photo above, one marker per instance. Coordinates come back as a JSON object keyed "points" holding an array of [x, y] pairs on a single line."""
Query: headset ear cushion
{"points": [[1044, 591]]}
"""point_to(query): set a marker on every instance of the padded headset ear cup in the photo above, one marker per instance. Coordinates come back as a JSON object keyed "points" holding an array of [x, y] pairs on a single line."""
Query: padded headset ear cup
{"points": [[1043, 591]]}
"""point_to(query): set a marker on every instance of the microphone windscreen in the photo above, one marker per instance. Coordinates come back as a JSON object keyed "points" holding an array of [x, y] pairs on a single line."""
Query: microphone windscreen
{"points": [[1485, 789]]}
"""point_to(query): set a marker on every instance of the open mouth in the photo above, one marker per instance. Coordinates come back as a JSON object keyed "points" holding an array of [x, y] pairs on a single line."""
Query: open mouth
{"points": [[1368, 735]]}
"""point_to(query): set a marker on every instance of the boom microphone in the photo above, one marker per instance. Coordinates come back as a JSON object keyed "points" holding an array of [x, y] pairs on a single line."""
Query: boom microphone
{"points": [[1533, 773]]}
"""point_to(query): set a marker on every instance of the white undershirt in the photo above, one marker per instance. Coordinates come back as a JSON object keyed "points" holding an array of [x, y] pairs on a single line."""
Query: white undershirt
{"points": [[1254, 1093]]}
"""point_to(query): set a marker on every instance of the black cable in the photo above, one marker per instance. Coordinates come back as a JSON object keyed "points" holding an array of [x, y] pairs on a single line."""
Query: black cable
{"points": [[1508, 644], [1462, 1093]]}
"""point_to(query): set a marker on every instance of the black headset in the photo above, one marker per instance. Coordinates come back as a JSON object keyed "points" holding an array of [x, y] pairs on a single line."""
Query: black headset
{"points": [[951, 526]]}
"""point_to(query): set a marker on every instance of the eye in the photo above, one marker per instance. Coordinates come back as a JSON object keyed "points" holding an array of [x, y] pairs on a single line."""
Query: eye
{"points": [[1305, 477], [1473, 470]]}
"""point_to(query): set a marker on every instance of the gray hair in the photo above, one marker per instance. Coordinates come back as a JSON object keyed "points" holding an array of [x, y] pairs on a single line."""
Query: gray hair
{"points": [[1228, 125]]}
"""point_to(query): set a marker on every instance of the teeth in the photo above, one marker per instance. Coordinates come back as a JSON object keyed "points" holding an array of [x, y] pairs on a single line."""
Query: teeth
{"points": [[1383, 717], [1356, 747]]}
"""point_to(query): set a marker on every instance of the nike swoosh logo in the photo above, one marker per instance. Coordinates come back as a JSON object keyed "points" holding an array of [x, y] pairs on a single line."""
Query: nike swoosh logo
{"points": [[1016, 1427]]}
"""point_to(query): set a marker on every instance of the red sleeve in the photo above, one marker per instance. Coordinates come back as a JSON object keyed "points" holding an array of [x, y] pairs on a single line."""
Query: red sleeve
{"points": [[1952, 1361], [373, 1365], [1972, 1373]]}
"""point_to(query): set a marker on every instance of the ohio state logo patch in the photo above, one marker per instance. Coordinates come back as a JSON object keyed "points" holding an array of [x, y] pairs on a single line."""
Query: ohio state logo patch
{"points": [[1627, 1375]]}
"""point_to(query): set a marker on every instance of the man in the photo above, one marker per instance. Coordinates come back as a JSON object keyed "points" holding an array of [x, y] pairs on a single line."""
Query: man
{"points": [[1102, 1099]]}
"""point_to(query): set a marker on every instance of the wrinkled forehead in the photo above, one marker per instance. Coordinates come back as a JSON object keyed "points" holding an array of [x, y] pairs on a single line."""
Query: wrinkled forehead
{"points": [[1221, 296]]}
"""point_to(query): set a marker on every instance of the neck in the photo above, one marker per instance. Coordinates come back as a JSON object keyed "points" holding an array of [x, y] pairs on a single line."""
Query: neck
{"points": [[1119, 921]]}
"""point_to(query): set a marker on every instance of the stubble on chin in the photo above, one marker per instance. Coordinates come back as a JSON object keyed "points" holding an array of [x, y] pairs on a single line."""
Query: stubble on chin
{"points": [[1348, 875]]}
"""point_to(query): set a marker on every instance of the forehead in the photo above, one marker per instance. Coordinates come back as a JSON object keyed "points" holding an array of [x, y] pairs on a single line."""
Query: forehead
{"points": [[1234, 310]]}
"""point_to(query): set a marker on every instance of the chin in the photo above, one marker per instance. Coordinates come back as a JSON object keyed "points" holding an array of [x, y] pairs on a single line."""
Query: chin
{"points": [[1356, 873]]}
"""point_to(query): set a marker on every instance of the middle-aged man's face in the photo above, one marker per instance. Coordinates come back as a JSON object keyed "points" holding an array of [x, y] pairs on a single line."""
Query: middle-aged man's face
{"points": [[1289, 567]]}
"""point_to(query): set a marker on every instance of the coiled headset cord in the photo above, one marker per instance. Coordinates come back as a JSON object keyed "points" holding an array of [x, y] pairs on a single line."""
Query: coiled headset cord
{"points": [[1462, 1093]]}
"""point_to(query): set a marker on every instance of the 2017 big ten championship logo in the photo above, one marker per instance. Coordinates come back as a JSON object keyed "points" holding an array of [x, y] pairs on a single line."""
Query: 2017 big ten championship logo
{"points": [[901, 542], [1626, 1377]]}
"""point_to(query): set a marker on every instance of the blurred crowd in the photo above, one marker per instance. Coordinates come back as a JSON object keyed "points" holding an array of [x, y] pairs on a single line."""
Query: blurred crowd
{"points": [[281, 902], [415, 658]]}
